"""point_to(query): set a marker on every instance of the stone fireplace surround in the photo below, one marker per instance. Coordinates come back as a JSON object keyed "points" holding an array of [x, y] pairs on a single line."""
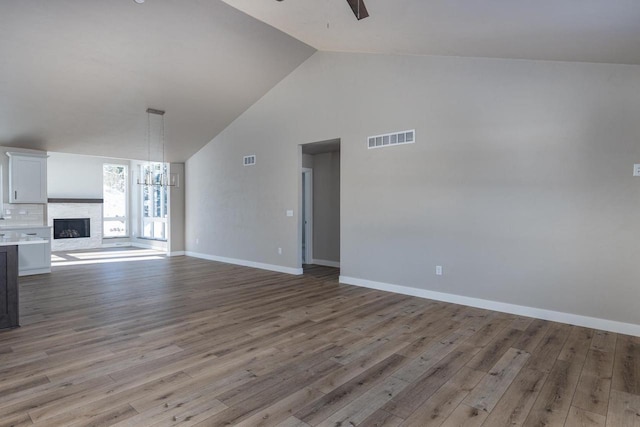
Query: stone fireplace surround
{"points": [[77, 208]]}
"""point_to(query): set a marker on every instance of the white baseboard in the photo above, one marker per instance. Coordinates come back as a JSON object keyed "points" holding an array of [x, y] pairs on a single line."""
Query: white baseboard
{"points": [[326, 263], [176, 253], [539, 313], [245, 263]]}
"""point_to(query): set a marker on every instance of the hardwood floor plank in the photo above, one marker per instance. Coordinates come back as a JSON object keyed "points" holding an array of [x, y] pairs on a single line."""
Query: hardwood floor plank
{"points": [[546, 353], [281, 411], [466, 416], [554, 400], [592, 393], [19, 420], [433, 354], [533, 335], [71, 395], [185, 411], [114, 398], [514, 406], [357, 367], [580, 418], [381, 418], [341, 396], [521, 323], [443, 402], [407, 401], [293, 422], [626, 369], [604, 341], [493, 351], [359, 409], [489, 391], [623, 410]]}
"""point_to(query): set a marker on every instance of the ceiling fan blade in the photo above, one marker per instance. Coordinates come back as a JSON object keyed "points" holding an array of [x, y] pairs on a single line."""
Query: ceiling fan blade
{"points": [[359, 9]]}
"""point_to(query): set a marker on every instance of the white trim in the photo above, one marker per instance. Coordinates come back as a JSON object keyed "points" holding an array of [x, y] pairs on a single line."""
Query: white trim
{"points": [[326, 263], [308, 210], [539, 313], [42, 154], [245, 263], [176, 253]]}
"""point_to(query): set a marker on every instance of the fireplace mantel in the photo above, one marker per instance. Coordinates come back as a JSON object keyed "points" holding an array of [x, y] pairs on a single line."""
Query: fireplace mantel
{"points": [[75, 200]]}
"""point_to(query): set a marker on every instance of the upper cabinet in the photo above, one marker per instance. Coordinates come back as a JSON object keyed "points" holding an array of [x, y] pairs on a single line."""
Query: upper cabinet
{"points": [[27, 177]]}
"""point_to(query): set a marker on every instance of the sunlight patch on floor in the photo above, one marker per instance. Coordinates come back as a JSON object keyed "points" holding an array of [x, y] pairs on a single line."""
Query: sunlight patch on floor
{"points": [[60, 259]]}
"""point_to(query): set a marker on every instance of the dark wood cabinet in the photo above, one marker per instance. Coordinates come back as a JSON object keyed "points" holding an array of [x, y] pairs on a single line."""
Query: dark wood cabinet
{"points": [[8, 286]]}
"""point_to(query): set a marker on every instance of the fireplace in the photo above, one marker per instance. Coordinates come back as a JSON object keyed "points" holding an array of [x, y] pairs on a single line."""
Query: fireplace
{"points": [[71, 228]]}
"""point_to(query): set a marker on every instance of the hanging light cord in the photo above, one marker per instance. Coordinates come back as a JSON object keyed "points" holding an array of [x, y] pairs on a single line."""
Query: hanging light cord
{"points": [[163, 174], [163, 179], [147, 175]]}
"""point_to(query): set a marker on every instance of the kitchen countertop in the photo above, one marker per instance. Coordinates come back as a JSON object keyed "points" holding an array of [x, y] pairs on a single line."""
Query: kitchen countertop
{"points": [[10, 239], [21, 227]]}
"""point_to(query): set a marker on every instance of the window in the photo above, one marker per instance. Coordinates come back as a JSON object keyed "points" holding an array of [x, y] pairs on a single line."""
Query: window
{"points": [[154, 203], [114, 193]]}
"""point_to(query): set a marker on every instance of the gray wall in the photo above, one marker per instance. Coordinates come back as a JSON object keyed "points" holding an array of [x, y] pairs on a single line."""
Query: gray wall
{"points": [[326, 206], [520, 182], [76, 176]]}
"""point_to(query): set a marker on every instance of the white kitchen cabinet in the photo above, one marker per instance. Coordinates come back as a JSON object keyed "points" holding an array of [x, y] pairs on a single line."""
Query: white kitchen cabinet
{"points": [[27, 177], [33, 259]]}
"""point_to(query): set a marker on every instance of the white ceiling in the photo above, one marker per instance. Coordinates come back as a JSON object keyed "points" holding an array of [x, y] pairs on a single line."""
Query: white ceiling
{"points": [[563, 30], [77, 76]]}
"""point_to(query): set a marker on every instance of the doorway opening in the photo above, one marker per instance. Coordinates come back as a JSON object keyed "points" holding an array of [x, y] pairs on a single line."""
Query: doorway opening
{"points": [[320, 182]]}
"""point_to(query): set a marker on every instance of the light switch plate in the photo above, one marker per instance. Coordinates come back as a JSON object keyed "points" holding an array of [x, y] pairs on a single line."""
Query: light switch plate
{"points": [[636, 170], [289, 213]]}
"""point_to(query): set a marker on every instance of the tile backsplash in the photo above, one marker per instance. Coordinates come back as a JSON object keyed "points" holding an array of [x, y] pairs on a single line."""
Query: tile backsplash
{"points": [[23, 214]]}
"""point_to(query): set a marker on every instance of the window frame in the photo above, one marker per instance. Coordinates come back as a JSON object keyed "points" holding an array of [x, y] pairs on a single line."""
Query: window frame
{"points": [[126, 218], [164, 205]]}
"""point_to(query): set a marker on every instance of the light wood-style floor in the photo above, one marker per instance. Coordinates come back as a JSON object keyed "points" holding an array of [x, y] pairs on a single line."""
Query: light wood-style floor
{"points": [[183, 341]]}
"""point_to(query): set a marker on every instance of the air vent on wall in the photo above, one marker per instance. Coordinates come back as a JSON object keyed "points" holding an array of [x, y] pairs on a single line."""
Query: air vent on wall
{"points": [[249, 160], [396, 138]]}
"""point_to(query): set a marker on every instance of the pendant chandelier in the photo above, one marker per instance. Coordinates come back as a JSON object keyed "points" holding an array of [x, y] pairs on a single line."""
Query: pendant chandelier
{"points": [[149, 178]]}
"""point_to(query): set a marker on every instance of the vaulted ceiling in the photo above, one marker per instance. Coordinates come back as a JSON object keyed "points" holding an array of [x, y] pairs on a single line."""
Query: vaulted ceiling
{"points": [[76, 76]]}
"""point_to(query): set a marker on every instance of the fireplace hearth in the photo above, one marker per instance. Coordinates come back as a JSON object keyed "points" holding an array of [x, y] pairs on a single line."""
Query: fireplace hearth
{"points": [[71, 228]]}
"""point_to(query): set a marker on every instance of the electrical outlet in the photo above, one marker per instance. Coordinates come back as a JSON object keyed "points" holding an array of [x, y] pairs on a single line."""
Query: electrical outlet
{"points": [[438, 270], [279, 251], [636, 170]]}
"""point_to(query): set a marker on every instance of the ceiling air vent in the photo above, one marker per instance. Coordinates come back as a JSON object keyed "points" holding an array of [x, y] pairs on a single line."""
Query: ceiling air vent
{"points": [[249, 160], [396, 138]]}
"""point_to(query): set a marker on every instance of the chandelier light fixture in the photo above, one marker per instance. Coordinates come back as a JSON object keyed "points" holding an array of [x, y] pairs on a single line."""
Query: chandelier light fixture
{"points": [[150, 178]]}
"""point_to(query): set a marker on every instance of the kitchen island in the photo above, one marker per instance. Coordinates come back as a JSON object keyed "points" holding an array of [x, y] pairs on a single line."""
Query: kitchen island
{"points": [[9, 295]]}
